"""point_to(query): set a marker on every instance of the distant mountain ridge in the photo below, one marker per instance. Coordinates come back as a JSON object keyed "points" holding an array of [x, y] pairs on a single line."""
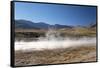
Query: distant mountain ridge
{"points": [[93, 26], [25, 24]]}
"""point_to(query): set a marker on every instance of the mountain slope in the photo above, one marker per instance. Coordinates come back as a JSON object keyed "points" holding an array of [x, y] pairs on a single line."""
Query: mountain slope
{"points": [[40, 25], [23, 24]]}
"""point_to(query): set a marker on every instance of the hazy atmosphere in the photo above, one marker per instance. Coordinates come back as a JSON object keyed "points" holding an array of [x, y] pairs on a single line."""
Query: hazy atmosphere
{"points": [[52, 33]]}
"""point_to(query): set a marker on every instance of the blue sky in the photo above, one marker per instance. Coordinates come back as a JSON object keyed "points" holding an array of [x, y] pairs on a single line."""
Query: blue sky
{"points": [[55, 14]]}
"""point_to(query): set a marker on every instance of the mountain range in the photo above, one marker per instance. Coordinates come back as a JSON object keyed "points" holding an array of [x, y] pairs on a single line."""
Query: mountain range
{"points": [[25, 24]]}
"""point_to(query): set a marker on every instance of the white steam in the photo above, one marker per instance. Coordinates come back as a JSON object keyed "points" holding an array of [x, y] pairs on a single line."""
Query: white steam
{"points": [[53, 40]]}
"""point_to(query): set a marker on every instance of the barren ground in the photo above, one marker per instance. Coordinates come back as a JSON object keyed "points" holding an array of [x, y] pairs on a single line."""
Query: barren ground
{"points": [[63, 55]]}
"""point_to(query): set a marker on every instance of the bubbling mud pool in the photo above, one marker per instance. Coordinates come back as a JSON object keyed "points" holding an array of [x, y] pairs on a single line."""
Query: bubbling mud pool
{"points": [[54, 43]]}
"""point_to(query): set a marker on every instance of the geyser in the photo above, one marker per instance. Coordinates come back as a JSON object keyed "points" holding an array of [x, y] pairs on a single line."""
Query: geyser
{"points": [[53, 40]]}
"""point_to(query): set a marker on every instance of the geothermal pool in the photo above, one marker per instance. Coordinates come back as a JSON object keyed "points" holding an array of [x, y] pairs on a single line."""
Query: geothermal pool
{"points": [[42, 44]]}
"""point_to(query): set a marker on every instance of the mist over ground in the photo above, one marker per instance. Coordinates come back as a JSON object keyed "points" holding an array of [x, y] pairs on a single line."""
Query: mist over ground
{"points": [[53, 40], [52, 46]]}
